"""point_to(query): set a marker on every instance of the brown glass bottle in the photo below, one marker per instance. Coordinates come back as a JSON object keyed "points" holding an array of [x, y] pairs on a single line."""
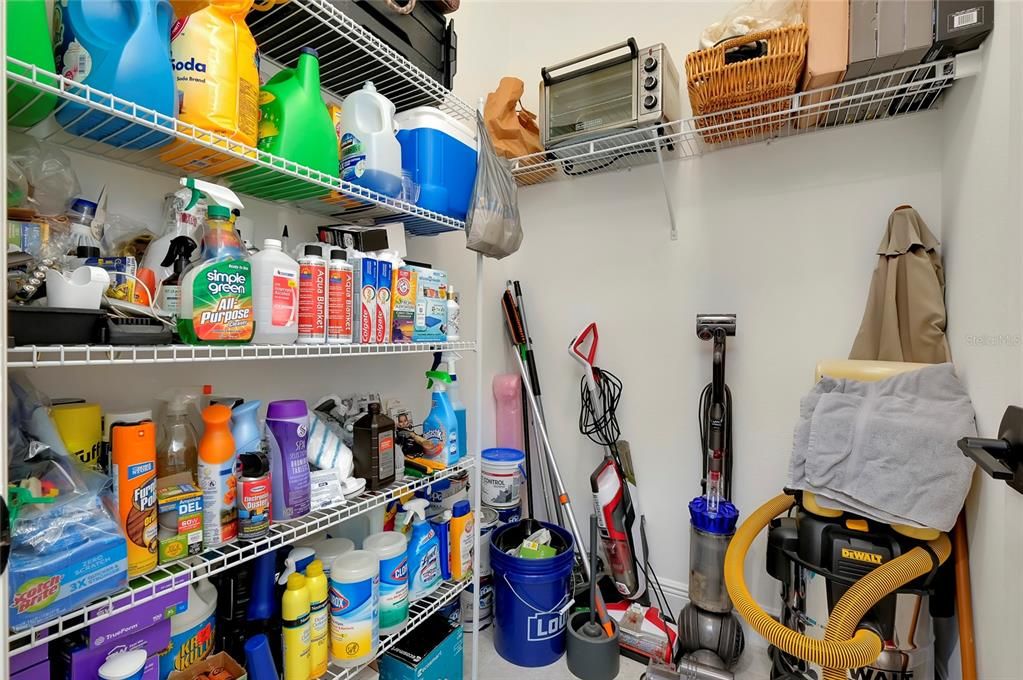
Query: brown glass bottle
{"points": [[374, 448]]}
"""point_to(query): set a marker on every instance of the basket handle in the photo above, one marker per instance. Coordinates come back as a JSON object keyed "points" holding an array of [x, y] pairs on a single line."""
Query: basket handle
{"points": [[743, 40]]}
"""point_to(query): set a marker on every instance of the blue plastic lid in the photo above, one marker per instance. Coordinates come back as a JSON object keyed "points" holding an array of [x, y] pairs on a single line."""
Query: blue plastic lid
{"points": [[721, 522], [460, 509], [504, 455], [259, 663], [84, 206]]}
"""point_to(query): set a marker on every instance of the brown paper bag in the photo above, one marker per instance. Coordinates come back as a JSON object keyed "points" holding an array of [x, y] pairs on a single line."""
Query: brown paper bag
{"points": [[513, 130]]}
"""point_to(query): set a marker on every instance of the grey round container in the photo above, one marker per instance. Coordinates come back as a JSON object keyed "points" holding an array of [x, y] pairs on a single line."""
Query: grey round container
{"points": [[707, 570], [591, 658]]}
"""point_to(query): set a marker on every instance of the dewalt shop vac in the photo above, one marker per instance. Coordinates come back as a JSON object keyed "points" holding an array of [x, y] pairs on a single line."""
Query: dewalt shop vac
{"points": [[863, 584]]}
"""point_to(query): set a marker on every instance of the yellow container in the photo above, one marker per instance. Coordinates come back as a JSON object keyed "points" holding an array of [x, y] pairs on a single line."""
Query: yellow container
{"points": [[319, 619], [81, 428], [133, 467], [296, 629]]}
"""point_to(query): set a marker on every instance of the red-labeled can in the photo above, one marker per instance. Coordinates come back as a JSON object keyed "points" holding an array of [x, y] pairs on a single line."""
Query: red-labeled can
{"points": [[253, 496]]}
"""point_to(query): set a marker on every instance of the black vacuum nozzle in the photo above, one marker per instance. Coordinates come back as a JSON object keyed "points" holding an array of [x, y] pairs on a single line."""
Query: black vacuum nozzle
{"points": [[709, 325]]}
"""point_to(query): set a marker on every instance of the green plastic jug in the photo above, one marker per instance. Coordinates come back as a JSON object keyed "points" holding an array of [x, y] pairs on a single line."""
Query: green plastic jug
{"points": [[294, 124], [28, 40]]}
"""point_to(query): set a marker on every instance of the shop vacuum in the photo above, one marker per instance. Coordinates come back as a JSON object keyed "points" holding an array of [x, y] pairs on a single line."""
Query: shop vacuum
{"points": [[854, 591], [710, 636]]}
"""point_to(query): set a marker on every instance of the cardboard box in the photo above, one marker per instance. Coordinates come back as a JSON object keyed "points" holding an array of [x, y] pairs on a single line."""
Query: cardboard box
{"points": [[220, 660], [364, 287], [29, 659], [403, 305], [138, 617], [78, 661], [29, 236], [382, 322], [960, 26], [862, 38], [827, 54], [919, 32], [179, 501], [431, 305], [433, 651], [891, 34]]}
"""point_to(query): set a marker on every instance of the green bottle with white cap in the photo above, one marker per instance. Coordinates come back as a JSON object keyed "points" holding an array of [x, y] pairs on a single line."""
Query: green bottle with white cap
{"points": [[215, 306]]}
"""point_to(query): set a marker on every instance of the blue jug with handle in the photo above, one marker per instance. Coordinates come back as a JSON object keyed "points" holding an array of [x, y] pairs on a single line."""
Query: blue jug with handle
{"points": [[120, 48]]}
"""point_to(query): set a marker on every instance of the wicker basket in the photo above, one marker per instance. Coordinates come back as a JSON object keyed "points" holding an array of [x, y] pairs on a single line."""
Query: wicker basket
{"points": [[716, 86]]}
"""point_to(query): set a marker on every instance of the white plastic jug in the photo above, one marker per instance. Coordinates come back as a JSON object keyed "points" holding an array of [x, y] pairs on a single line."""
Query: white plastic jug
{"points": [[370, 153], [192, 631], [274, 295]]}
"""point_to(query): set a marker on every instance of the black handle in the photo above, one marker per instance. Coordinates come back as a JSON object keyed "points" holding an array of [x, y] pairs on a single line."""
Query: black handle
{"points": [[534, 377], [983, 452], [549, 80]]}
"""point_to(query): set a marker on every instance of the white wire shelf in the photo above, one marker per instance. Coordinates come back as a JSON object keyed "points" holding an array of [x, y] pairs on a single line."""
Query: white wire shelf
{"points": [[217, 560], [419, 611], [169, 146], [879, 97], [37, 356], [349, 56]]}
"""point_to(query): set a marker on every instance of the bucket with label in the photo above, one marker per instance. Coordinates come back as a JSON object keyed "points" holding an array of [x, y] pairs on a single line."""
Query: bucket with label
{"points": [[486, 605], [488, 522], [531, 597], [503, 473]]}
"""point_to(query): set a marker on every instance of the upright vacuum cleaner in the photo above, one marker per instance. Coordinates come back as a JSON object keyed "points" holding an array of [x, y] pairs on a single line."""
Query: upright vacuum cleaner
{"points": [[709, 633]]}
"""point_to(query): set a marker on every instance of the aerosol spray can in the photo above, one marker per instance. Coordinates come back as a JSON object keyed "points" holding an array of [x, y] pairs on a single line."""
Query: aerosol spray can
{"points": [[253, 495], [339, 299], [312, 297]]}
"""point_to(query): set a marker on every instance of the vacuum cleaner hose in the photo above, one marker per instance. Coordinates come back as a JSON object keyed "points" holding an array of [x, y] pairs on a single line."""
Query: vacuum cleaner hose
{"points": [[843, 646]]}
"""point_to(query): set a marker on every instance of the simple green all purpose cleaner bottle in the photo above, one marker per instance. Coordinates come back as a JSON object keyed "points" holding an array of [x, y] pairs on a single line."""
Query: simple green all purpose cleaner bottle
{"points": [[216, 291]]}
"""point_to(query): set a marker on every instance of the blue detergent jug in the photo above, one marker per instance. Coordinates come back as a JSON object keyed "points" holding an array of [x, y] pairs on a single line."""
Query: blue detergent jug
{"points": [[121, 48]]}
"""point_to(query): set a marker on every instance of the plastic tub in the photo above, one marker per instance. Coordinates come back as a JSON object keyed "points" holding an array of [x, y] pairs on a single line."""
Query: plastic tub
{"points": [[531, 597], [438, 154], [503, 472]]}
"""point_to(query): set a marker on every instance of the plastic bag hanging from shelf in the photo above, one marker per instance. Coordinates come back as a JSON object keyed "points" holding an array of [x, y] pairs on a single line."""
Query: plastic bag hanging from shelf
{"points": [[492, 226]]}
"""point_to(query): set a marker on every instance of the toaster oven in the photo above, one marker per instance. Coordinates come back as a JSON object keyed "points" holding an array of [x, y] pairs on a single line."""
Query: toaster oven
{"points": [[616, 89]]}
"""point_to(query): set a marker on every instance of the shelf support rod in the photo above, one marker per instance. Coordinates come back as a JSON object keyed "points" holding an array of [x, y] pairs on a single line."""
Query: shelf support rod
{"points": [[667, 193], [477, 471]]}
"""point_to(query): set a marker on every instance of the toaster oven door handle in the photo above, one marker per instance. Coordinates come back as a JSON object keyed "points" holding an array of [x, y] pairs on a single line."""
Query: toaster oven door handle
{"points": [[549, 80]]}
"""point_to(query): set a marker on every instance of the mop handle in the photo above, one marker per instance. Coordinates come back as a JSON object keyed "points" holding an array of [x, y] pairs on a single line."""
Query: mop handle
{"points": [[555, 473]]}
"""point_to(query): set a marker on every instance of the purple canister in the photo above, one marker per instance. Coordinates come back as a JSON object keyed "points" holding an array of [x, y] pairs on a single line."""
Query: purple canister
{"points": [[287, 423]]}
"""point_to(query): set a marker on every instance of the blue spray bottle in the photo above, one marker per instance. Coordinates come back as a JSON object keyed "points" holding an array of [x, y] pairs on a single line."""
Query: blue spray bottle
{"points": [[449, 359], [441, 426], [424, 568]]}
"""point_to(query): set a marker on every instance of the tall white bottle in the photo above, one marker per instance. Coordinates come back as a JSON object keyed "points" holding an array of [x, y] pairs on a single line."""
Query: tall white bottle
{"points": [[275, 295]]}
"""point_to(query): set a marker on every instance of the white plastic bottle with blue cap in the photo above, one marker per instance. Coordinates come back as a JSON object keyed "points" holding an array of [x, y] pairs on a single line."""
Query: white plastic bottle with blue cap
{"points": [[424, 569], [370, 153]]}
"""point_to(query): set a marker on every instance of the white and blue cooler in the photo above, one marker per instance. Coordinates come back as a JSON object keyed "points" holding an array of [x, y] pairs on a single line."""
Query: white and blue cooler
{"points": [[438, 154]]}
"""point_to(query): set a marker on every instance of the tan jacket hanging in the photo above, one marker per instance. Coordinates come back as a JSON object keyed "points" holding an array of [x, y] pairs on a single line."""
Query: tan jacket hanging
{"points": [[905, 315]]}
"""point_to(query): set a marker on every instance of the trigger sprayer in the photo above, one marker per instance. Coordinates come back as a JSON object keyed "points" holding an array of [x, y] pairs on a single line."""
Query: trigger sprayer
{"points": [[213, 192], [454, 395]]}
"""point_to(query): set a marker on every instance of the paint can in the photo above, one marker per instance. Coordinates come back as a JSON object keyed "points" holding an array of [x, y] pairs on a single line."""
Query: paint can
{"points": [[488, 522]]}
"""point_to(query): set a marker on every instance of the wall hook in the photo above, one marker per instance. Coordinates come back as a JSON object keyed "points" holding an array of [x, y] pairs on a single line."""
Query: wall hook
{"points": [[1001, 458]]}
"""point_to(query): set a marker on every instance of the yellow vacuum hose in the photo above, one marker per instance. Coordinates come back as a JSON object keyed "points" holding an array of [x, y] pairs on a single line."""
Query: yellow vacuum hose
{"points": [[843, 646]]}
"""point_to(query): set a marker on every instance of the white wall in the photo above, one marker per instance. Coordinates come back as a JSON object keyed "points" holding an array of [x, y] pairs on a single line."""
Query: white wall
{"points": [[783, 235], [981, 180]]}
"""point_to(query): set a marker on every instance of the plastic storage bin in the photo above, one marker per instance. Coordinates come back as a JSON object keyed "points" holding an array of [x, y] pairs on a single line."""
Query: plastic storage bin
{"points": [[438, 153]]}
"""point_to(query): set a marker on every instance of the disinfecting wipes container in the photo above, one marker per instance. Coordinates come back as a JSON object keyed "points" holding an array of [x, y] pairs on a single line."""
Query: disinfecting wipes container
{"points": [[502, 477], [391, 548], [354, 617]]}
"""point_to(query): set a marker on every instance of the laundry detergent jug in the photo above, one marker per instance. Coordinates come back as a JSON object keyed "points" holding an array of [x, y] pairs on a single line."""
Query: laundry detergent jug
{"points": [[294, 124], [29, 41], [217, 75], [120, 48], [370, 154]]}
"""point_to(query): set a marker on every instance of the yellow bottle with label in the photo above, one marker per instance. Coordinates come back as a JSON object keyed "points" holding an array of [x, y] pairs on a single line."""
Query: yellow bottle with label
{"points": [[319, 618], [296, 629]]}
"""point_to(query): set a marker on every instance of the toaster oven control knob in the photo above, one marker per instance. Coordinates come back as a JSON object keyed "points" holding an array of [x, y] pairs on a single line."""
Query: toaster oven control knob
{"points": [[650, 64], [650, 83], [650, 101]]}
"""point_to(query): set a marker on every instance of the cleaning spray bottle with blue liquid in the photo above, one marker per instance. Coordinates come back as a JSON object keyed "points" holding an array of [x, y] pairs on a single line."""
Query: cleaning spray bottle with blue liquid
{"points": [[454, 395], [424, 567], [440, 428]]}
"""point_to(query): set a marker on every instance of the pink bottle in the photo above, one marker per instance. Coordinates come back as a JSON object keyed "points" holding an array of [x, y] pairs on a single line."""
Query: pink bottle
{"points": [[508, 401]]}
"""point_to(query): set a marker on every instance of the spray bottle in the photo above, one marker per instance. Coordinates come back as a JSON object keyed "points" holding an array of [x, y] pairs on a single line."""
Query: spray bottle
{"points": [[424, 570], [440, 429], [217, 477], [178, 449], [216, 292], [449, 359], [179, 255]]}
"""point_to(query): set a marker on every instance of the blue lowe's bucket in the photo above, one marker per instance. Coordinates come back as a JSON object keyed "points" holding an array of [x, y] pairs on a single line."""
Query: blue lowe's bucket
{"points": [[531, 597]]}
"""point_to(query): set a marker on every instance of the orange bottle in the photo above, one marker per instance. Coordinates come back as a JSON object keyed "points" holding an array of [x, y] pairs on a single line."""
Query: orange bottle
{"points": [[133, 459], [217, 477]]}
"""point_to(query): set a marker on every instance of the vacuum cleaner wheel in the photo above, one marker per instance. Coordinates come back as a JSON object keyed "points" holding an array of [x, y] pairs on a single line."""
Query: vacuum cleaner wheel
{"points": [[719, 633]]}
